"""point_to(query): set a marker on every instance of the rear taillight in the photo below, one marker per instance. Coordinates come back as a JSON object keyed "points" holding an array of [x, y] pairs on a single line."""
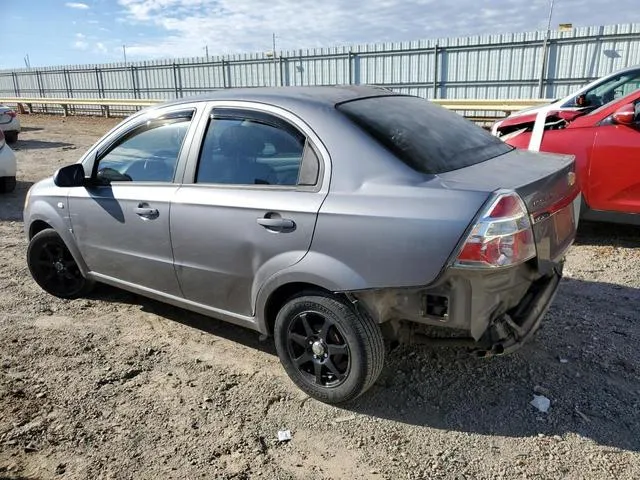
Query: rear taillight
{"points": [[502, 237], [11, 113], [1, 139]]}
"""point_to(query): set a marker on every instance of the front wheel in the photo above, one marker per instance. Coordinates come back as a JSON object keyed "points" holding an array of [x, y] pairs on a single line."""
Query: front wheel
{"points": [[329, 350], [53, 267]]}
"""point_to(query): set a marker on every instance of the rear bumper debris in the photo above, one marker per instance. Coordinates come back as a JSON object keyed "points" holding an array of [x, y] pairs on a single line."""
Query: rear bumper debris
{"points": [[492, 312]]}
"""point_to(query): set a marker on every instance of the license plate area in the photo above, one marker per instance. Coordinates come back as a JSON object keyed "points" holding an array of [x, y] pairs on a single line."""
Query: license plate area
{"points": [[555, 234], [564, 224]]}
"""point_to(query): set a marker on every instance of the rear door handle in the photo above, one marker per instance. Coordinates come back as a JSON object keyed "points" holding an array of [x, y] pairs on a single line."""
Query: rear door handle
{"points": [[144, 210], [276, 224]]}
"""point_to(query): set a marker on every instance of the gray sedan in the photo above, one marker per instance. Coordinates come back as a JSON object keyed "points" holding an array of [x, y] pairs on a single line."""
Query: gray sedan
{"points": [[339, 220]]}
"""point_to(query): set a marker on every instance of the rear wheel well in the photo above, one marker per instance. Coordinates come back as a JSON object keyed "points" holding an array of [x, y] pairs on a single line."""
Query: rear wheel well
{"points": [[36, 227], [282, 295]]}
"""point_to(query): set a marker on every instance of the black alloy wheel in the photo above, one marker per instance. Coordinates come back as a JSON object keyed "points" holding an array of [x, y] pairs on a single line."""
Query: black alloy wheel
{"points": [[318, 349], [53, 267], [330, 350]]}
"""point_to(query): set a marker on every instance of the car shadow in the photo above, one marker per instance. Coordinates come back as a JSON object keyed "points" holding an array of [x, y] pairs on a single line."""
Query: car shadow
{"points": [[31, 129], [39, 145], [190, 319], [103, 196], [11, 204], [607, 234], [586, 364], [16, 477]]}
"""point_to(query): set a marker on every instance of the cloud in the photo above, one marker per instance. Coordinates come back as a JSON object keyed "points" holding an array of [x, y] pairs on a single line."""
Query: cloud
{"points": [[229, 26], [80, 36], [80, 45], [100, 48], [77, 5]]}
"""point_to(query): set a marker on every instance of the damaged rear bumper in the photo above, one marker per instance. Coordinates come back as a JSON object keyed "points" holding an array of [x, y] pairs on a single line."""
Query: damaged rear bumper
{"points": [[492, 312], [509, 332]]}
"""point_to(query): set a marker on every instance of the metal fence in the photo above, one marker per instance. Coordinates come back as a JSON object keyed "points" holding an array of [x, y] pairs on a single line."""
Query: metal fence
{"points": [[492, 66]]}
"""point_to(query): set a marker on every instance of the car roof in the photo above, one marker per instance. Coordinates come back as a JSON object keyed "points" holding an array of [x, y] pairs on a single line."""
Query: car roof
{"points": [[329, 95]]}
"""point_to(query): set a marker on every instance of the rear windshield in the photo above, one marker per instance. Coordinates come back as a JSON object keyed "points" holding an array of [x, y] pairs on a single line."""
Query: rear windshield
{"points": [[425, 136]]}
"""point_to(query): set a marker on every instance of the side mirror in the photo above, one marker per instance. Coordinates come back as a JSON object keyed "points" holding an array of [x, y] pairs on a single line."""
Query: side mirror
{"points": [[625, 115], [70, 176]]}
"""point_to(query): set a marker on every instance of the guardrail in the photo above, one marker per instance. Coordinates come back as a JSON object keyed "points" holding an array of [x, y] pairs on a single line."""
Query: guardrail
{"points": [[65, 103], [466, 105]]}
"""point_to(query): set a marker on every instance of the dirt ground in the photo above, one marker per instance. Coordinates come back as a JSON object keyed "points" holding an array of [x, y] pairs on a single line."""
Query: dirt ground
{"points": [[118, 386]]}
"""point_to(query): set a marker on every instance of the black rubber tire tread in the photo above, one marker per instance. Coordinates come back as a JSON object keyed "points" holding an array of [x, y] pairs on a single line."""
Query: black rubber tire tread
{"points": [[49, 234], [7, 184], [11, 137], [359, 330]]}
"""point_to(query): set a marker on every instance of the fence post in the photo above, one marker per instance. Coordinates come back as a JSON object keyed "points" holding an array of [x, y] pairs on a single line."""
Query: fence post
{"points": [[350, 66], [301, 69], [177, 81], [16, 88], [280, 69], [286, 71], [224, 73], [99, 83], [136, 93], [435, 71], [39, 82], [40, 89], [543, 68], [67, 83]]}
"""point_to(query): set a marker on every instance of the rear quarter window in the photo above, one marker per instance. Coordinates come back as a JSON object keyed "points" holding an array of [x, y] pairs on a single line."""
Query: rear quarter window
{"points": [[426, 137]]}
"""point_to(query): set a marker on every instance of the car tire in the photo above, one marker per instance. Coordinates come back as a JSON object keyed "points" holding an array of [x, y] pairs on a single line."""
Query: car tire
{"points": [[7, 184], [11, 137], [53, 267], [331, 351]]}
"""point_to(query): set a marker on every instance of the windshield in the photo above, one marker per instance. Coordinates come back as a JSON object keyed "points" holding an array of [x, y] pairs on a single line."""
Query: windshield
{"points": [[423, 135]]}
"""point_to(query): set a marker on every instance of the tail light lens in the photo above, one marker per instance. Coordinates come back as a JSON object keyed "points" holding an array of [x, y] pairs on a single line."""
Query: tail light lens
{"points": [[1, 139], [11, 113], [502, 237]]}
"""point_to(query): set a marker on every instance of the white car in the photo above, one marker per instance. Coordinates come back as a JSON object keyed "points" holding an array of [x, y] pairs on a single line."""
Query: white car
{"points": [[7, 167], [9, 124], [599, 92]]}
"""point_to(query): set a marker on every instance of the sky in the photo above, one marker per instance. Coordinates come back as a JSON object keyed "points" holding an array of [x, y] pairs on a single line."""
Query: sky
{"points": [[59, 32]]}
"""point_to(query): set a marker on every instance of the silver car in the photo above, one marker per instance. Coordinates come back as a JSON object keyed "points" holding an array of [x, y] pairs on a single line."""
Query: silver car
{"points": [[332, 218]]}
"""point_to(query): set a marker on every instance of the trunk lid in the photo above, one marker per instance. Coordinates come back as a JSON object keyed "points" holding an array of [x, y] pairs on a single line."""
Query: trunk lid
{"points": [[547, 185]]}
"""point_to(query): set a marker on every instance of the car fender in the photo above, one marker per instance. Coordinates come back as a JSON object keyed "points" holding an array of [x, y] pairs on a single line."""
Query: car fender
{"points": [[42, 210], [316, 269]]}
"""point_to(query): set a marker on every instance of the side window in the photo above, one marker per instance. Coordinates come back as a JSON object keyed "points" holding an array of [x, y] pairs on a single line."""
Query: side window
{"points": [[628, 88], [147, 154], [250, 148], [617, 87]]}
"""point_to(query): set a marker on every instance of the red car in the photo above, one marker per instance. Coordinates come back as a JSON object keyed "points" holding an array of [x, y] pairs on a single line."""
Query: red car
{"points": [[606, 144]]}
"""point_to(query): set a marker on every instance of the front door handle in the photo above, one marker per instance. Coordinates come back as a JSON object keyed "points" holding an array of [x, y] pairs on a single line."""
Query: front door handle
{"points": [[277, 224], [145, 211]]}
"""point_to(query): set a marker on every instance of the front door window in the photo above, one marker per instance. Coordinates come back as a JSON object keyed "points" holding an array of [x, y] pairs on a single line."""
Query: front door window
{"points": [[147, 154]]}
